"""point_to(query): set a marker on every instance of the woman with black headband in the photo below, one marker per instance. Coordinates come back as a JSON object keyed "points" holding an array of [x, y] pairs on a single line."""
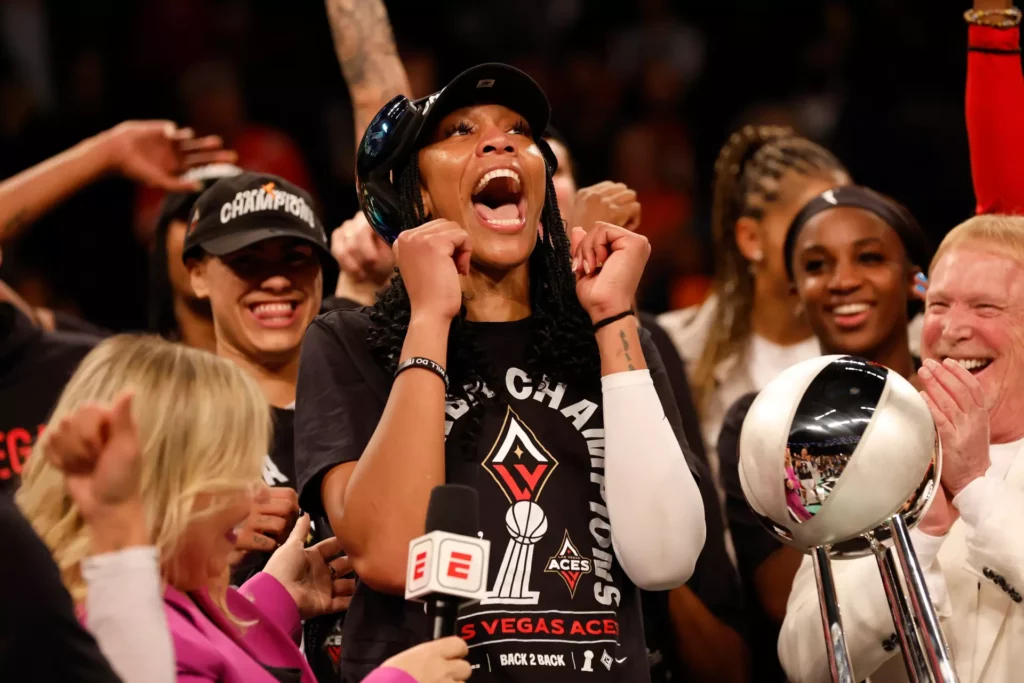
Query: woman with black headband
{"points": [[854, 258], [510, 363]]}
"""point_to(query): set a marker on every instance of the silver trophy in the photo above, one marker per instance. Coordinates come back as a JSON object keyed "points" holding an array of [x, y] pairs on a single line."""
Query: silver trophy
{"points": [[839, 458]]}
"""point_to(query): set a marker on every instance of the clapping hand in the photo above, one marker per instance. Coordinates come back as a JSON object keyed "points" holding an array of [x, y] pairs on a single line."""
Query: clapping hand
{"points": [[957, 404], [312, 575], [97, 447]]}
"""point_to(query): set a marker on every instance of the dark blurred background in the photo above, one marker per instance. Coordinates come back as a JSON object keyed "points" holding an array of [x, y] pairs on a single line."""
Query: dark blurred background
{"points": [[645, 91]]}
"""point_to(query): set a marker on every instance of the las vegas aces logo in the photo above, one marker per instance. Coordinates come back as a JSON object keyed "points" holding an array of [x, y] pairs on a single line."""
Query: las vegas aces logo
{"points": [[521, 467]]}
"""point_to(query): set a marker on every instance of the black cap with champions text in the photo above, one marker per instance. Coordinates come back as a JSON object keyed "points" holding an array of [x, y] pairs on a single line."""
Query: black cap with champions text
{"points": [[241, 210]]}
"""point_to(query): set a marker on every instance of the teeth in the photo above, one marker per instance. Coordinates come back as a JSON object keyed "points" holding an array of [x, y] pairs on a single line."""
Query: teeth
{"points": [[973, 363], [850, 309], [272, 308], [497, 173], [510, 222]]}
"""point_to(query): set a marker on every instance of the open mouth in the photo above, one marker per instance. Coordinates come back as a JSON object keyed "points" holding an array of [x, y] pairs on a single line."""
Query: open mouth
{"points": [[498, 200], [973, 365], [274, 314], [850, 316]]}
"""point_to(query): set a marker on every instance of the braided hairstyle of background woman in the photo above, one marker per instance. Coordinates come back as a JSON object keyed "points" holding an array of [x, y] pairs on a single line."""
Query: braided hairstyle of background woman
{"points": [[747, 175], [562, 344]]}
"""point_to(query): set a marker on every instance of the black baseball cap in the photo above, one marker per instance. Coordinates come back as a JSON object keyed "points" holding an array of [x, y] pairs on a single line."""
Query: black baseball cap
{"points": [[247, 208], [491, 83]]}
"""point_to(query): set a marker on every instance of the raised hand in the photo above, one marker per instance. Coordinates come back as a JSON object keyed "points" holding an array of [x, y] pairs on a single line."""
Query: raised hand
{"points": [[606, 202], [362, 255], [430, 259], [437, 661], [271, 521], [957, 404], [157, 152], [97, 447], [608, 263], [312, 575]]}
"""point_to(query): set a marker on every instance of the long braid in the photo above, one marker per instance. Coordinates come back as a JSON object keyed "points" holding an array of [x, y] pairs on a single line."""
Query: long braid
{"points": [[748, 175], [562, 346]]}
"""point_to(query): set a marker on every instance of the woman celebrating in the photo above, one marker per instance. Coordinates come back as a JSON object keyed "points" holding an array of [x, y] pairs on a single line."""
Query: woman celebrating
{"points": [[200, 459], [751, 328], [852, 255], [491, 361]]}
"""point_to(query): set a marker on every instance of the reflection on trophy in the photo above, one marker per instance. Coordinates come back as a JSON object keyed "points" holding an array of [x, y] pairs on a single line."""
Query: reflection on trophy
{"points": [[839, 458]]}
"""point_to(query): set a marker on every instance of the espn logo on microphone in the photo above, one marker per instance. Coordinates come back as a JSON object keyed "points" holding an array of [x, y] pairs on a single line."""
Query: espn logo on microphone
{"points": [[440, 562]]}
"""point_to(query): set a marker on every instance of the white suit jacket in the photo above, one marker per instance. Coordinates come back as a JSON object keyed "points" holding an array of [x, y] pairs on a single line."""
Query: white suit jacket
{"points": [[974, 583]]}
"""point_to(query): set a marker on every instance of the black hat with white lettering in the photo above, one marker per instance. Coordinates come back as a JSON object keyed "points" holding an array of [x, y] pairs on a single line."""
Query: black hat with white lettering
{"points": [[251, 207]]}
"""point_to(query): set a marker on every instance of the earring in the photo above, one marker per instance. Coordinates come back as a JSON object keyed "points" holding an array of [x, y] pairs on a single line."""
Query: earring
{"points": [[755, 261]]}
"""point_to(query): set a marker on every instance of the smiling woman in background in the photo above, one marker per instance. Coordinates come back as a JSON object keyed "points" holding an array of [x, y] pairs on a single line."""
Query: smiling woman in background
{"points": [[853, 257]]}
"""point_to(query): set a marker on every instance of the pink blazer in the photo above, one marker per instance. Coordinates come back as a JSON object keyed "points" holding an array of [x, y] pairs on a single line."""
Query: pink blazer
{"points": [[209, 647]]}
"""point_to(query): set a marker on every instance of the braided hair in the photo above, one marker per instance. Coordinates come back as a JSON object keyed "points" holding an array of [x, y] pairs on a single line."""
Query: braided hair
{"points": [[561, 348], [748, 173]]}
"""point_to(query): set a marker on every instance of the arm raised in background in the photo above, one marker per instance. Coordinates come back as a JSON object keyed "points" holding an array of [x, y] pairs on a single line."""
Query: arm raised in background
{"points": [[994, 105], [368, 57], [150, 152]]}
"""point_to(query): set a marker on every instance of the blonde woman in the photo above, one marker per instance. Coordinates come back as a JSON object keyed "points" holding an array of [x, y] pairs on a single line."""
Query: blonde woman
{"points": [[202, 428]]}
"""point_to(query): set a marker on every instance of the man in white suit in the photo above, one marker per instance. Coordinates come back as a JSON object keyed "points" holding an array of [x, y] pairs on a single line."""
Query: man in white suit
{"points": [[971, 542]]}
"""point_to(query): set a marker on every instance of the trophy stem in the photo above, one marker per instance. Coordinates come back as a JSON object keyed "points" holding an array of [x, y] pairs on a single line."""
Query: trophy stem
{"points": [[838, 655], [902, 619], [932, 640]]}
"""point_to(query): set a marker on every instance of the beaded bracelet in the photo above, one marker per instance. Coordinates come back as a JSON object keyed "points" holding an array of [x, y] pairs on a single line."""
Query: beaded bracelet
{"points": [[995, 18]]}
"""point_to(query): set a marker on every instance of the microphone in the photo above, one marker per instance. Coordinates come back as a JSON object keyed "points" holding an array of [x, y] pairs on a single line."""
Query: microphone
{"points": [[448, 565]]}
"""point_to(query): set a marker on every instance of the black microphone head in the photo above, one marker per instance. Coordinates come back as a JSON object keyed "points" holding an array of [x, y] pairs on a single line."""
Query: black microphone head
{"points": [[454, 508]]}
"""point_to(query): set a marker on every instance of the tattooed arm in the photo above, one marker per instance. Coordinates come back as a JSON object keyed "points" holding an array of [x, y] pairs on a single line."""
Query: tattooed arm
{"points": [[368, 57]]}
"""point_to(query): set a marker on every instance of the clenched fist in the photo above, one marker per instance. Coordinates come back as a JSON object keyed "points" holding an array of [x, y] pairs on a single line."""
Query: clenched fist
{"points": [[430, 259], [608, 263]]}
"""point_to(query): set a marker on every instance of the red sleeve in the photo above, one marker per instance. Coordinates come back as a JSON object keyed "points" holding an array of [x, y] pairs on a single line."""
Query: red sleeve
{"points": [[994, 107]]}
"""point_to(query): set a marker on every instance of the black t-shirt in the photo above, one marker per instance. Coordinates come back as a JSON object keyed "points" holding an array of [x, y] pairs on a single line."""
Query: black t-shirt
{"points": [[41, 639], [538, 467], [323, 634], [752, 541], [714, 581], [34, 367]]}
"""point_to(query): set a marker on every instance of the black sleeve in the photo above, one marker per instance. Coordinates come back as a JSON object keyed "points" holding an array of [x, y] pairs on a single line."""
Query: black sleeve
{"points": [[714, 579], [752, 541], [40, 637], [667, 396], [339, 400], [675, 369]]}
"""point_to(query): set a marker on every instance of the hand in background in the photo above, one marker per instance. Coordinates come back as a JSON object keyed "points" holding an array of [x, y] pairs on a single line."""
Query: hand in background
{"points": [[155, 153], [272, 519], [606, 202], [312, 575], [97, 447]]}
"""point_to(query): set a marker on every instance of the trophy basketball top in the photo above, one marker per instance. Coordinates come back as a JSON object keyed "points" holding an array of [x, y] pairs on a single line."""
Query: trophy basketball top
{"points": [[832, 448]]}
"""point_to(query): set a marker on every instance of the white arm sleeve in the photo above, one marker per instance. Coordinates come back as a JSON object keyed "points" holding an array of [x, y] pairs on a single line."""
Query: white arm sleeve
{"points": [[655, 508], [125, 613]]}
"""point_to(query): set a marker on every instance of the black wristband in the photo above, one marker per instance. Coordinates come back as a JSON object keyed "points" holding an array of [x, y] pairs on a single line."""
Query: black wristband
{"points": [[610, 319], [426, 364]]}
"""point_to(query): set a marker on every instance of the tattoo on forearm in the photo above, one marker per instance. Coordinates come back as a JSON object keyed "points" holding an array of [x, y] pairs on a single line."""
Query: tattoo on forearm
{"points": [[625, 349], [368, 56]]}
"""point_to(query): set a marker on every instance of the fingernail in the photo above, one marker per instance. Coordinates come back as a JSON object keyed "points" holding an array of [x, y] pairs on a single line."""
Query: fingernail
{"points": [[950, 363], [924, 372], [919, 288], [575, 264], [922, 277], [586, 268]]}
